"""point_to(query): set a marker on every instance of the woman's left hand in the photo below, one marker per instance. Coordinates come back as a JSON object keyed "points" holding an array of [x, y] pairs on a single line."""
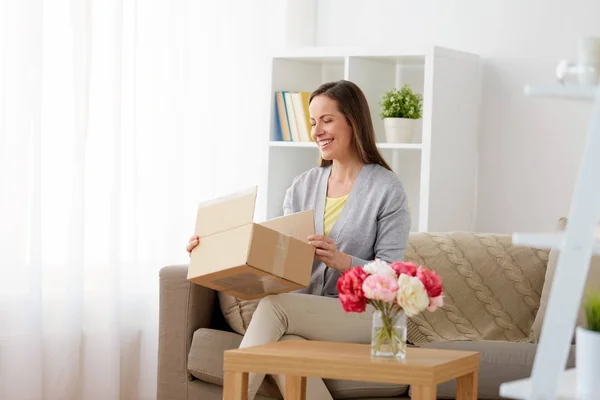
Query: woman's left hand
{"points": [[326, 251]]}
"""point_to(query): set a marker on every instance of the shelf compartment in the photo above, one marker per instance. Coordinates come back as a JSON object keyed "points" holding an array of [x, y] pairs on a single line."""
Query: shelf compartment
{"points": [[306, 74], [377, 75]]}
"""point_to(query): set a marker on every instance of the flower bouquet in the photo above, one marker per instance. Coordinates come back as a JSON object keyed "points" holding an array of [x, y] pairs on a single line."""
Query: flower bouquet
{"points": [[395, 291]]}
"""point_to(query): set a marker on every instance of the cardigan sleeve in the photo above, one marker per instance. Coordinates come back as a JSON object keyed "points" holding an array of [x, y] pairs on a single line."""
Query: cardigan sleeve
{"points": [[358, 262], [393, 226], [287, 201]]}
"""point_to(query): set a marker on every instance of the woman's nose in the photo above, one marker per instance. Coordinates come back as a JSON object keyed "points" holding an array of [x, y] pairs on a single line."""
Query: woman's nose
{"points": [[317, 130]]}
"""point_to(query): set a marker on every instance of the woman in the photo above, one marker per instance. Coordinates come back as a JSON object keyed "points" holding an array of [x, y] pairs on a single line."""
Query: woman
{"points": [[361, 213]]}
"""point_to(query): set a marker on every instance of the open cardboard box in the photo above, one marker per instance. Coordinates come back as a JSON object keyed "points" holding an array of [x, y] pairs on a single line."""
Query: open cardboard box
{"points": [[250, 260]]}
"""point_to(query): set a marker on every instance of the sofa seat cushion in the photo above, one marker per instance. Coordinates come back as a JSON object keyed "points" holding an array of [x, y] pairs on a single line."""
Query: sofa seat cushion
{"points": [[499, 362], [205, 362], [492, 289]]}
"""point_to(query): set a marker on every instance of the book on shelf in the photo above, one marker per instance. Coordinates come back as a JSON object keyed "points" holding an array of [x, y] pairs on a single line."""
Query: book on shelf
{"points": [[292, 120]]}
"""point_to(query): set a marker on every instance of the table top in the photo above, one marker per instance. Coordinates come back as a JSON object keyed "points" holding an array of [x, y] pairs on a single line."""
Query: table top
{"points": [[352, 361]]}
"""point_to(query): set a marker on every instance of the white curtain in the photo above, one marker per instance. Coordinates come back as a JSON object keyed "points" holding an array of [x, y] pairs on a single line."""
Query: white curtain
{"points": [[116, 118]]}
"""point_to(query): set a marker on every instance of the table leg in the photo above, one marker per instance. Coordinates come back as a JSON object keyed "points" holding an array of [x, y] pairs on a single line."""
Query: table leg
{"points": [[466, 386], [295, 387], [235, 386], [424, 392]]}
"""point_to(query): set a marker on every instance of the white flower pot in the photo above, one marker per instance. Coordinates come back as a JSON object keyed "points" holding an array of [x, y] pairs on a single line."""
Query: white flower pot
{"points": [[588, 363], [399, 130]]}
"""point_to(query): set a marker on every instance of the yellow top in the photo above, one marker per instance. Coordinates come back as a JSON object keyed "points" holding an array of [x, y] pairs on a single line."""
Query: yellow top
{"points": [[333, 209]]}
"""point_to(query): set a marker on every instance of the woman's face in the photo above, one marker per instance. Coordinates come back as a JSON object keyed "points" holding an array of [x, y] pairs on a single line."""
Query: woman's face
{"points": [[330, 130]]}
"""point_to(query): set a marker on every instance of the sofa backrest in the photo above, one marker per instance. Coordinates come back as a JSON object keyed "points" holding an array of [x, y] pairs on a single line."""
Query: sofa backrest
{"points": [[492, 289]]}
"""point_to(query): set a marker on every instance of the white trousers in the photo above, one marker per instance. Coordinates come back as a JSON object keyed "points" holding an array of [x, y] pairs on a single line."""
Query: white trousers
{"points": [[311, 317]]}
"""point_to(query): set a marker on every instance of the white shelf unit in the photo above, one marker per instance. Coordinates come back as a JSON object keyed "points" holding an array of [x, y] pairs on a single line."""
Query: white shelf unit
{"points": [[549, 379], [439, 169]]}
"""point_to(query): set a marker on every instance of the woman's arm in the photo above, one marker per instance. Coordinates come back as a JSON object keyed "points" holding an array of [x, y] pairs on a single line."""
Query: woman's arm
{"points": [[287, 201], [393, 227]]}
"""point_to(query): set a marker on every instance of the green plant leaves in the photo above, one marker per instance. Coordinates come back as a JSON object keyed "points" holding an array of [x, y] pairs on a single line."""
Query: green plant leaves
{"points": [[592, 311], [403, 103]]}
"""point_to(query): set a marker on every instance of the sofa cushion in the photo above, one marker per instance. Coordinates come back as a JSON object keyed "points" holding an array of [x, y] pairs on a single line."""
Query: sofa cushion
{"points": [[491, 288], [205, 362], [592, 283], [237, 312], [499, 362]]}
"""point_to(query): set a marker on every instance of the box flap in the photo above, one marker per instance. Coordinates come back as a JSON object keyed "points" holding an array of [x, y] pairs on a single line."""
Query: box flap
{"points": [[299, 225], [281, 255], [220, 251], [226, 212]]}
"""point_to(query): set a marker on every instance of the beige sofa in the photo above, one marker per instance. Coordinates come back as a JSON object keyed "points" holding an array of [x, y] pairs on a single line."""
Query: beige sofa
{"points": [[492, 293]]}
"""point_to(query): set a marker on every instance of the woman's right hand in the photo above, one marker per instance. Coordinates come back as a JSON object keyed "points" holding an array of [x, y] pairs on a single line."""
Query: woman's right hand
{"points": [[194, 241]]}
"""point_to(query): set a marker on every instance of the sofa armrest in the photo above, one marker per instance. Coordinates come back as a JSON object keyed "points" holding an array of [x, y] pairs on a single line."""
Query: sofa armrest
{"points": [[184, 307]]}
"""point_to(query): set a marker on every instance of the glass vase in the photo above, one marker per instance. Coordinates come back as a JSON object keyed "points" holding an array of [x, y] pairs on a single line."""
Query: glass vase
{"points": [[388, 334]]}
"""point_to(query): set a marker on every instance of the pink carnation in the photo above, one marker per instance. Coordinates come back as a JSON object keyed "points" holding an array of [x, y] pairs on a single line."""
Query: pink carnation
{"points": [[380, 287], [435, 302], [431, 280], [349, 287], [407, 268]]}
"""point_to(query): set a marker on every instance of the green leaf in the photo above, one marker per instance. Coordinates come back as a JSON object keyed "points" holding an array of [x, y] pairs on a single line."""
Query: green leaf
{"points": [[591, 308]]}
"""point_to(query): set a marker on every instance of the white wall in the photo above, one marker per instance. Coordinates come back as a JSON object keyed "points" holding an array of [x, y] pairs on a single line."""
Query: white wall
{"points": [[529, 148]]}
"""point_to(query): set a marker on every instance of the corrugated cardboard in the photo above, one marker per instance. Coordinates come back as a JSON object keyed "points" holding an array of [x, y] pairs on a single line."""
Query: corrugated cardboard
{"points": [[249, 260]]}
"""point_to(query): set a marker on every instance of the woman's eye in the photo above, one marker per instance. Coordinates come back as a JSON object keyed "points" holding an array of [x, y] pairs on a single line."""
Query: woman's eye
{"points": [[327, 121]]}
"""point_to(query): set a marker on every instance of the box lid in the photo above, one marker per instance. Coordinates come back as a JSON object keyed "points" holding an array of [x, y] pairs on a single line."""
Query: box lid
{"points": [[226, 212], [298, 225]]}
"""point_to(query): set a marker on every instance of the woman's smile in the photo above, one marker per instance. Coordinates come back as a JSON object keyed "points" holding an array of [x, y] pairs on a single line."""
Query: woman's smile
{"points": [[324, 143]]}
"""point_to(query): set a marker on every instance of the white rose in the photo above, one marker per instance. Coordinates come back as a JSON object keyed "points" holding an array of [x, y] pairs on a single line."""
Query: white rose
{"points": [[412, 296], [380, 267]]}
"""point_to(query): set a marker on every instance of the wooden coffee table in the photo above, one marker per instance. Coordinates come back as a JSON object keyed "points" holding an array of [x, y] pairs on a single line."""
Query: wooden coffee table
{"points": [[423, 369]]}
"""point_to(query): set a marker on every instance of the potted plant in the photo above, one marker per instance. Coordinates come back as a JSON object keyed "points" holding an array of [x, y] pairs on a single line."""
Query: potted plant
{"points": [[400, 110], [588, 349]]}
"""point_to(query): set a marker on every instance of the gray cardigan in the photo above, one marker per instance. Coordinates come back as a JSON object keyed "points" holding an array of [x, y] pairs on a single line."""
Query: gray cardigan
{"points": [[374, 222]]}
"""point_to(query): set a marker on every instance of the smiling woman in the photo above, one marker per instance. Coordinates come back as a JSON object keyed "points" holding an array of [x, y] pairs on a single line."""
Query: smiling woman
{"points": [[361, 214]]}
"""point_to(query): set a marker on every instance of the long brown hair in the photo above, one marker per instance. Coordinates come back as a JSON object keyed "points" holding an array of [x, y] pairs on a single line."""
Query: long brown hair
{"points": [[353, 105]]}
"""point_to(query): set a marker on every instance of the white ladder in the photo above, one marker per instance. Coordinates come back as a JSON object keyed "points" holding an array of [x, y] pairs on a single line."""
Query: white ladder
{"points": [[549, 380]]}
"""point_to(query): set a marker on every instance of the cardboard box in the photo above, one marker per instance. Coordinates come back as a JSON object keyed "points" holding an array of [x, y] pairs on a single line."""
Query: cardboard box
{"points": [[249, 260]]}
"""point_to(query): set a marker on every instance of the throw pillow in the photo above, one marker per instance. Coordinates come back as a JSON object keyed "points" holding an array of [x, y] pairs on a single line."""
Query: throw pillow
{"points": [[491, 288], [593, 282], [237, 312]]}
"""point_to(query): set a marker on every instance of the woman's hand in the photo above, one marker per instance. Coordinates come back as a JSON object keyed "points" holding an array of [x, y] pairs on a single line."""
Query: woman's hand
{"points": [[329, 254], [194, 241]]}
